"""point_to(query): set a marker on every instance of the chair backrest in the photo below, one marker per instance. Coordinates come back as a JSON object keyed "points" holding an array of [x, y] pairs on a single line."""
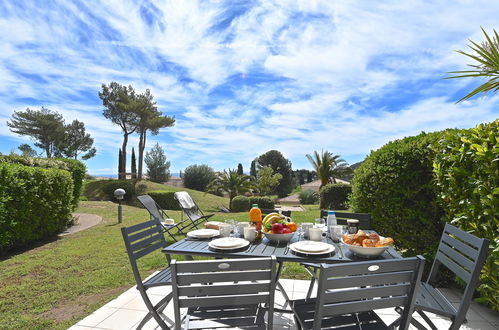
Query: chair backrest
{"points": [[140, 240], [341, 217], [368, 285], [187, 204], [464, 255], [151, 206], [267, 211], [231, 283]]}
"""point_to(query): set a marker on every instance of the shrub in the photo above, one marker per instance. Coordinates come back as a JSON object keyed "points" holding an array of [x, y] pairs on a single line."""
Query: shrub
{"points": [[75, 167], [309, 196], [128, 185], [240, 204], [198, 177], [165, 199], [395, 185], [335, 196], [466, 168], [35, 203], [263, 202]]}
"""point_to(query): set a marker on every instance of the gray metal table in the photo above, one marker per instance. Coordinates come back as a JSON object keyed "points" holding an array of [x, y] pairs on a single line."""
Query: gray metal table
{"points": [[265, 248]]}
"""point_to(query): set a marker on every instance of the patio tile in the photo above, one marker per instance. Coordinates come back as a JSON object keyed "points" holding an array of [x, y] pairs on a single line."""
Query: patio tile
{"points": [[122, 300], [97, 317], [122, 319], [478, 325], [79, 327], [302, 286], [487, 313], [471, 315]]}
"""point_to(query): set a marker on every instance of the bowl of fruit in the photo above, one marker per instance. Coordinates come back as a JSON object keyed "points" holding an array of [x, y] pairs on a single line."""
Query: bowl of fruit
{"points": [[278, 228]]}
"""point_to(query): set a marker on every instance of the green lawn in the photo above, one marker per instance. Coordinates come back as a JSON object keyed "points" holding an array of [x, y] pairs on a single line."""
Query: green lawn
{"points": [[59, 283]]}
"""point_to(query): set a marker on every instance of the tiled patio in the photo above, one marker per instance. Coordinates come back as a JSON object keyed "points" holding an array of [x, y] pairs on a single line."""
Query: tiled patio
{"points": [[126, 311]]}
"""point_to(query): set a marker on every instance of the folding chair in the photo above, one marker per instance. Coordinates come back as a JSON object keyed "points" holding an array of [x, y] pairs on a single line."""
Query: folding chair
{"points": [[236, 297], [140, 240], [348, 294], [190, 208], [157, 213], [268, 211], [341, 217], [464, 255]]}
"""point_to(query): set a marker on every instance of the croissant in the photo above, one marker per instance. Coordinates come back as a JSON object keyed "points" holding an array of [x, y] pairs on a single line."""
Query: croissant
{"points": [[385, 241], [373, 236], [369, 243]]}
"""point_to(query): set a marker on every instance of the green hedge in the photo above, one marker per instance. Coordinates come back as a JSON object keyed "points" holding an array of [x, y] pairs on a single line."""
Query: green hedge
{"points": [[128, 185], [35, 203], [395, 185], [335, 196], [466, 168], [75, 167], [240, 204], [262, 201], [165, 199]]}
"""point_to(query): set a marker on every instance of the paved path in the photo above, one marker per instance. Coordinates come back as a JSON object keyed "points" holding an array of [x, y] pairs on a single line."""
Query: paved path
{"points": [[83, 221]]}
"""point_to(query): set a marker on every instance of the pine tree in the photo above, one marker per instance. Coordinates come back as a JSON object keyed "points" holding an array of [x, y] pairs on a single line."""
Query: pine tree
{"points": [[134, 165]]}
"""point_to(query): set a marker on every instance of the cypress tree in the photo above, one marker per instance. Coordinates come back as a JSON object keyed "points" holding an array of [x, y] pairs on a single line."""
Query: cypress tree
{"points": [[253, 168], [240, 169], [120, 165], [134, 165]]}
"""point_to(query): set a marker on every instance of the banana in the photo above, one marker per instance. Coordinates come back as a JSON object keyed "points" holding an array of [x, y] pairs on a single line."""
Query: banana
{"points": [[268, 216]]}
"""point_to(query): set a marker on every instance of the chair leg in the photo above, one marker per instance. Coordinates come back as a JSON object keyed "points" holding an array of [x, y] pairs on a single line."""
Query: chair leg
{"points": [[153, 310], [312, 282], [427, 320]]}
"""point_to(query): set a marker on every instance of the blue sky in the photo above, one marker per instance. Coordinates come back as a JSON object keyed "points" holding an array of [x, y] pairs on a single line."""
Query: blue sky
{"points": [[245, 77]]}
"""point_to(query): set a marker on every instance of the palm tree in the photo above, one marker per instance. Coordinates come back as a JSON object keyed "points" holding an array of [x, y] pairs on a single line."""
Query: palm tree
{"points": [[232, 183], [487, 56], [328, 166]]}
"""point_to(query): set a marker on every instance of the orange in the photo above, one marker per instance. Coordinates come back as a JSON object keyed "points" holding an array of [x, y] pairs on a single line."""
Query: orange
{"points": [[292, 226]]}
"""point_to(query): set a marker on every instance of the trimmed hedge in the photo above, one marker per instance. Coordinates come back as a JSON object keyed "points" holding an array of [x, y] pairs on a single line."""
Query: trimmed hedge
{"points": [[309, 197], [165, 199], [335, 196], [240, 204], [35, 203], [263, 202], [395, 185], [128, 185], [75, 167], [466, 168]]}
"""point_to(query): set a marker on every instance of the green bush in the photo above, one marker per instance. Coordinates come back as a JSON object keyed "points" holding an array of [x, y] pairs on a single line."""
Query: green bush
{"points": [[75, 167], [309, 197], [240, 204], [35, 203], [198, 177], [263, 202], [165, 199], [466, 168], [395, 185], [128, 185], [335, 196]]}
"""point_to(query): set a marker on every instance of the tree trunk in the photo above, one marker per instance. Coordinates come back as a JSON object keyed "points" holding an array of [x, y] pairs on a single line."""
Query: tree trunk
{"points": [[123, 155], [142, 146]]}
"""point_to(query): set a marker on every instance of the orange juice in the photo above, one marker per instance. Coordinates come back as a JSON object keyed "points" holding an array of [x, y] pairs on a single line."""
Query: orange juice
{"points": [[255, 218]]}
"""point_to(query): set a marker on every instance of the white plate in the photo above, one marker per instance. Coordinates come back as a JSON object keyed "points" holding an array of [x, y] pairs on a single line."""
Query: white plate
{"points": [[311, 246], [329, 249], [228, 243], [203, 233]]}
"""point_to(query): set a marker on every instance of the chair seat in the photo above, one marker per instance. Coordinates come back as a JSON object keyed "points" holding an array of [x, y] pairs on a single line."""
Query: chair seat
{"points": [[164, 277], [240, 317], [431, 300], [305, 312]]}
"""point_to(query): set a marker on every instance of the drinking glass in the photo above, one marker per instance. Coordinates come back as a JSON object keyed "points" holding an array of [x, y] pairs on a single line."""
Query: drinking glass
{"points": [[320, 223], [232, 224]]}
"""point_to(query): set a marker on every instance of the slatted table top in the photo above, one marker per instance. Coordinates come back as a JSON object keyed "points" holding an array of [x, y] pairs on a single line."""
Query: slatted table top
{"points": [[266, 248]]}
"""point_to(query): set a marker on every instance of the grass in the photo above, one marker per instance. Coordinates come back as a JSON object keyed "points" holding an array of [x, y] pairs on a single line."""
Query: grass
{"points": [[55, 285]]}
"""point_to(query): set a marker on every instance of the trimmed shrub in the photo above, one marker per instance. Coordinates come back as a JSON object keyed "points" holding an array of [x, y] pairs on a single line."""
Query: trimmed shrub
{"points": [[165, 199], [395, 185], [128, 185], [466, 168], [75, 167], [240, 204], [309, 197], [35, 203], [198, 177], [263, 202], [335, 196]]}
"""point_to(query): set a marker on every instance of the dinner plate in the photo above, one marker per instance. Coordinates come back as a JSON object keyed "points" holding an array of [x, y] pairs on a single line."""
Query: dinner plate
{"points": [[203, 233], [330, 248], [311, 246], [228, 243]]}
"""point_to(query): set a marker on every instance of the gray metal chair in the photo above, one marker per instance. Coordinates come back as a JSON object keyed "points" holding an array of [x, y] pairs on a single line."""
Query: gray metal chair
{"points": [[157, 213], [140, 240], [235, 296], [464, 255], [341, 217], [365, 220], [348, 294], [190, 208]]}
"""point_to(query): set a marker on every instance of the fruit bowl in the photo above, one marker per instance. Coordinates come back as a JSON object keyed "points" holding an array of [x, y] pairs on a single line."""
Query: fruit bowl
{"points": [[279, 237], [366, 252]]}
